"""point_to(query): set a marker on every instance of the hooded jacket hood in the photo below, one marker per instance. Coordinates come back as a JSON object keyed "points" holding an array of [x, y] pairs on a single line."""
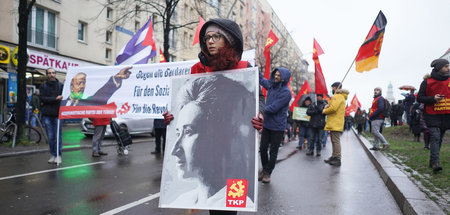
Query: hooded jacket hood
{"points": [[230, 27], [285, 75], [343, 92]]}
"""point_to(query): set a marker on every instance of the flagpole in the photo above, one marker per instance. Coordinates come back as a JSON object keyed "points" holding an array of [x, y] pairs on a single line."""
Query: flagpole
{"points": [[340, 85]]}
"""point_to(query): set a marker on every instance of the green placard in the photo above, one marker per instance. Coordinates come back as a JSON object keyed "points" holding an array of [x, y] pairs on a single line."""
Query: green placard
{"points": [[300, 114]]}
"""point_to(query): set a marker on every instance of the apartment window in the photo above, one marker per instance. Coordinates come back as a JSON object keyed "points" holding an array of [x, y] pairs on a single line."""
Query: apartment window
{"points": [[108, 36], [137, 26], [109, 13], [191, 39], [108, 54], [233, 16], [137, 11], [42, 28], [186, 10], [191, 14], [185, 42], [82, 31], [172, 41]]}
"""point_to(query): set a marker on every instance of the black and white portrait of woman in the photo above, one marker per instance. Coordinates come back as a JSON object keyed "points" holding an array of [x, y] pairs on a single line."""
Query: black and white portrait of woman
{"points": [[210, 140]]}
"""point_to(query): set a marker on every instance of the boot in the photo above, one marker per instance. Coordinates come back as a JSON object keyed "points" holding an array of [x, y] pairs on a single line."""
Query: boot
{"points": [[437, 167], [335, 162], [328, 160], [310, 152], [266, 178], [261, 174], [318, 153]]}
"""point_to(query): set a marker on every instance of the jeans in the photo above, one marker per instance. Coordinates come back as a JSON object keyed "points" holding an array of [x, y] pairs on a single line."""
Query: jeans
{"points": [[270, 139], [325, 137], [160, 132], [316, 139], [99, 133], [51, 123], [436, 135], [377, 136], [303, 133]]}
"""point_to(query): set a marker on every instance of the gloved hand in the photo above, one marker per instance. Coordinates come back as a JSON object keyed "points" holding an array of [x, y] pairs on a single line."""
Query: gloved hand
{"points": [[258, 122], [167, 117]]}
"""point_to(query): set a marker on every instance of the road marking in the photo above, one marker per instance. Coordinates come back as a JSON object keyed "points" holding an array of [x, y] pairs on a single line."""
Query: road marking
{"points": [[132, 204], [51, 170]]}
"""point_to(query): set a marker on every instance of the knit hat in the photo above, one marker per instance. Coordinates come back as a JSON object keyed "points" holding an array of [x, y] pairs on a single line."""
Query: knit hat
{"points": [[336, 84], [308, 98], [378, 88], [438, 64], [218, 29]]}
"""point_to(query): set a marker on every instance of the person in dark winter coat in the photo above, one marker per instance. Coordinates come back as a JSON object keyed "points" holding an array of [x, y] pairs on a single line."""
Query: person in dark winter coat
{"points": [[277, 105], [393, 114], [317, 123], [415, 121], [360, 120], [400, 111], [160, 133], [51, 96], [408, 102], [434, 92]]}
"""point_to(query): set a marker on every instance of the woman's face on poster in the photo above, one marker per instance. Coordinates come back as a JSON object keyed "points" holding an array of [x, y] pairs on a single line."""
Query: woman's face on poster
{"points": [[187, 140]]}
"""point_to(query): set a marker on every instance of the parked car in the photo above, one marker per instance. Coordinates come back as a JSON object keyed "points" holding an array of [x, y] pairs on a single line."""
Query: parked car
{"points": [[134, 126]]}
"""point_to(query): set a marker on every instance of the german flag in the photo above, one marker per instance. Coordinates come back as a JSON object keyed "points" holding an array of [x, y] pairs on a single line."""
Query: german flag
{"points": [[369, 52]]}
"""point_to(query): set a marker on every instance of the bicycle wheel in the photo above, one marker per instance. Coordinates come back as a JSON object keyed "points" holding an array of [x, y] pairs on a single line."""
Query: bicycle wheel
{"points": [[33, 135], [7, 135]]}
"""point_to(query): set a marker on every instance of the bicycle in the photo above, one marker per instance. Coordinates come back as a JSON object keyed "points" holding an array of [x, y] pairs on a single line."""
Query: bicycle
{"points": [[9, 131]]}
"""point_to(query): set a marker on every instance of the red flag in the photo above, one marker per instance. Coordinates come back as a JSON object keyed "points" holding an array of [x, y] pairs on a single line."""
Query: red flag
{"points": [[354, 104], [347, 110], [162, 59], [303, 91], [197, 31], [290, 88], [369, 52], [271, 40], [321, 85], [148, 40]]}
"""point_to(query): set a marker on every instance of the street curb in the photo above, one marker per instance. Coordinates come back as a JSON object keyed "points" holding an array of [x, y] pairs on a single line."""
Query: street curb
{"points": [[11, 154], [410, 199]]}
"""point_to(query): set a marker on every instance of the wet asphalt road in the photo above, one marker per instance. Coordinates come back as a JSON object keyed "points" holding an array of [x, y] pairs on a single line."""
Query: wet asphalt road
{"points": [[300, 184]]}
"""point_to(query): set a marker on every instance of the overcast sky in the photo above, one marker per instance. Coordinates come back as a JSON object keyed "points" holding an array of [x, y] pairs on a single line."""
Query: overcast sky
{"points": [[417, 32]]}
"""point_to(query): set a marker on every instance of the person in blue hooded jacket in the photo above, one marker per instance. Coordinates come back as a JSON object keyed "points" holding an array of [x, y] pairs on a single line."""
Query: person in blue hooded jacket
{"points": [[277, 104]]}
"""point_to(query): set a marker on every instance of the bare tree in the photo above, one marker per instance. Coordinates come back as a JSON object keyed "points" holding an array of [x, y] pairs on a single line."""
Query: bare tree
{"points": [[165, 10], [24, 11]]}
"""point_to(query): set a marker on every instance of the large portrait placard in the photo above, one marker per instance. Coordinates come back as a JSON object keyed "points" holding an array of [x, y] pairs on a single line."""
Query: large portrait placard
{"points": [[210, 161]]}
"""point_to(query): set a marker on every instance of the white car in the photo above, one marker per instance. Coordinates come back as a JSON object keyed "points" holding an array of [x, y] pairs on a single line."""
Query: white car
{"points": [[134, 126]]}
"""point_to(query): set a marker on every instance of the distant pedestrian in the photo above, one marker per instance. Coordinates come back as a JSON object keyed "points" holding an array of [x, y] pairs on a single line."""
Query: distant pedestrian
{"points": [[408, 102], [393, 114], [434, 92], [335, 112], [35, 108], [317, 123], [415, 121], [359, 119], [277, 104], [99, 133], [400, 111], [51, 96], [304, 126], [376, 117], [160, 133]]}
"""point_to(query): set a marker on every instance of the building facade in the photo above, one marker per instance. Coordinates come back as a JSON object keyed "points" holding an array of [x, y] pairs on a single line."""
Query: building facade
{"points": [[63, 34]]}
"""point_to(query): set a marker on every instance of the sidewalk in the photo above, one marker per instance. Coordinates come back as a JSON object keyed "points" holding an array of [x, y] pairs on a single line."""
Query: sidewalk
{"points": [[406, 194]]}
